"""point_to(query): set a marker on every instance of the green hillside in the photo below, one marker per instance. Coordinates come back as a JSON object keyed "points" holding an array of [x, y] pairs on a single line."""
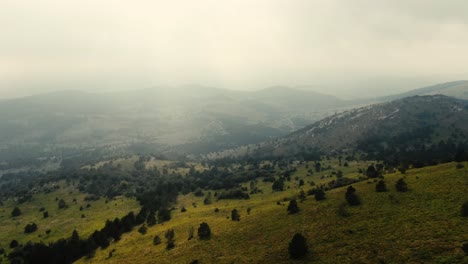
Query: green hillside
{"points": [[422, 225]]}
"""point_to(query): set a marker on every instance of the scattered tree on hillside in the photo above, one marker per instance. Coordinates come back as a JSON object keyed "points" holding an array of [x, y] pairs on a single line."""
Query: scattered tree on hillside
{"points": [[156, 240], [45, 214], [142, 230], [278, 185], [169, 235], [29, 228], [62, 204], [14, 243], [235, 216], [317, 166], [16, 212], [208, 199], [204, 231], [292, 207], [302, 196], [381, 186], [401, 185], [319, 195], [371, 172], [351, 196], [298, 246], [151, 220]]}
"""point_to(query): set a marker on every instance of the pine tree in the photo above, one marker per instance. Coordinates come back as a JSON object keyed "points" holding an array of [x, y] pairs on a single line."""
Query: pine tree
{"points": [[298, 246], [292, 207]]}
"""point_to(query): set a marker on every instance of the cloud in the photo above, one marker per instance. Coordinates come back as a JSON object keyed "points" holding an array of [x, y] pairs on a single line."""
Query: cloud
{"points": [[345, 46]]}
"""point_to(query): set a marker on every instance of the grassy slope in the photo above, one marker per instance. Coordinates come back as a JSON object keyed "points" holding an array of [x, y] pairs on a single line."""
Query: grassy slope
{"points": [[422, 225], [62, 222]]}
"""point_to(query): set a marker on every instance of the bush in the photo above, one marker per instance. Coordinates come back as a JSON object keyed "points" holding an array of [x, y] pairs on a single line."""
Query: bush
{"points": [[401, 185], [29, 228], [16, 212], [183, 210], [204, 231], [464, 209], [142, 230], [278, 185], [298, 246], [45, 214], [14, 244], [235, 215], [351, 196], [381, 186], [292, 207], [62, 204], [169, 235], [156, 240], [319, 195]]}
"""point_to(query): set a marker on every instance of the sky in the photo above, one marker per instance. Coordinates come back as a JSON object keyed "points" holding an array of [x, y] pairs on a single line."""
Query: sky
{"points": [[347, 48]]}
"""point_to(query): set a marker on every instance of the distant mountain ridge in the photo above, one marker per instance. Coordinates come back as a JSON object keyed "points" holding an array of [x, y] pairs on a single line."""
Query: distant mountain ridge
{"points": [[404, 124]]}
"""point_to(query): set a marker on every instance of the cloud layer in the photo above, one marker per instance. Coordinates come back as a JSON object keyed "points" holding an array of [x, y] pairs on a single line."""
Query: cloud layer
{"points": [[340, 46]]}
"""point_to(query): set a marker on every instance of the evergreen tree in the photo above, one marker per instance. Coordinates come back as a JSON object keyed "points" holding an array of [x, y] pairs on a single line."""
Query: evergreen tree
{"points": [[292, 207], [204, 231], [235, 215], [401, 185], [381, 186], [151, 220], [319, 195], [16, 212], [351, 196], [298, 246]]}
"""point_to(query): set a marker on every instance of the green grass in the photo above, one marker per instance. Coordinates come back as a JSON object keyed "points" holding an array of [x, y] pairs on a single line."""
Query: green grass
{"points": [[422, 225], [61, 222]]}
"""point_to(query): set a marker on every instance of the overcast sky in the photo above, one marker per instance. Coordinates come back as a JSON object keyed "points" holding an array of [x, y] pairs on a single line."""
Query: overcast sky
{"points": [[352, 48]]}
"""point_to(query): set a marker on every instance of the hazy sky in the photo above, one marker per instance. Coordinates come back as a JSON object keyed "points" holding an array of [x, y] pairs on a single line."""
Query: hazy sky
{"points": [[351, 47]]}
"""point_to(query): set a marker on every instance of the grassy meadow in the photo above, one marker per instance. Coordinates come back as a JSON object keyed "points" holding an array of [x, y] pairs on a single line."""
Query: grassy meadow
{"points": [[421, 225], [61, 222]]}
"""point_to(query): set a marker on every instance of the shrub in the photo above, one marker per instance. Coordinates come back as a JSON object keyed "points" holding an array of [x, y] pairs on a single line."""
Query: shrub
{"points": [[351, 196], [45, 214], [142, 230], [29, 228], [169, 235], [319, 195], [298, 246], [401, 185], [464, 209], [204, 231], [235, 215], [292, 207], [62, 204], [16, 212], [278, 185], [156, 240], [183, 210], [381, 186], [14, 243]]}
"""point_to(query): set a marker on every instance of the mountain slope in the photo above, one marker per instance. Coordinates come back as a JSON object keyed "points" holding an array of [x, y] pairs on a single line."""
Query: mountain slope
{"points": [[402, 125], [457, 89], [167, 120]]}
